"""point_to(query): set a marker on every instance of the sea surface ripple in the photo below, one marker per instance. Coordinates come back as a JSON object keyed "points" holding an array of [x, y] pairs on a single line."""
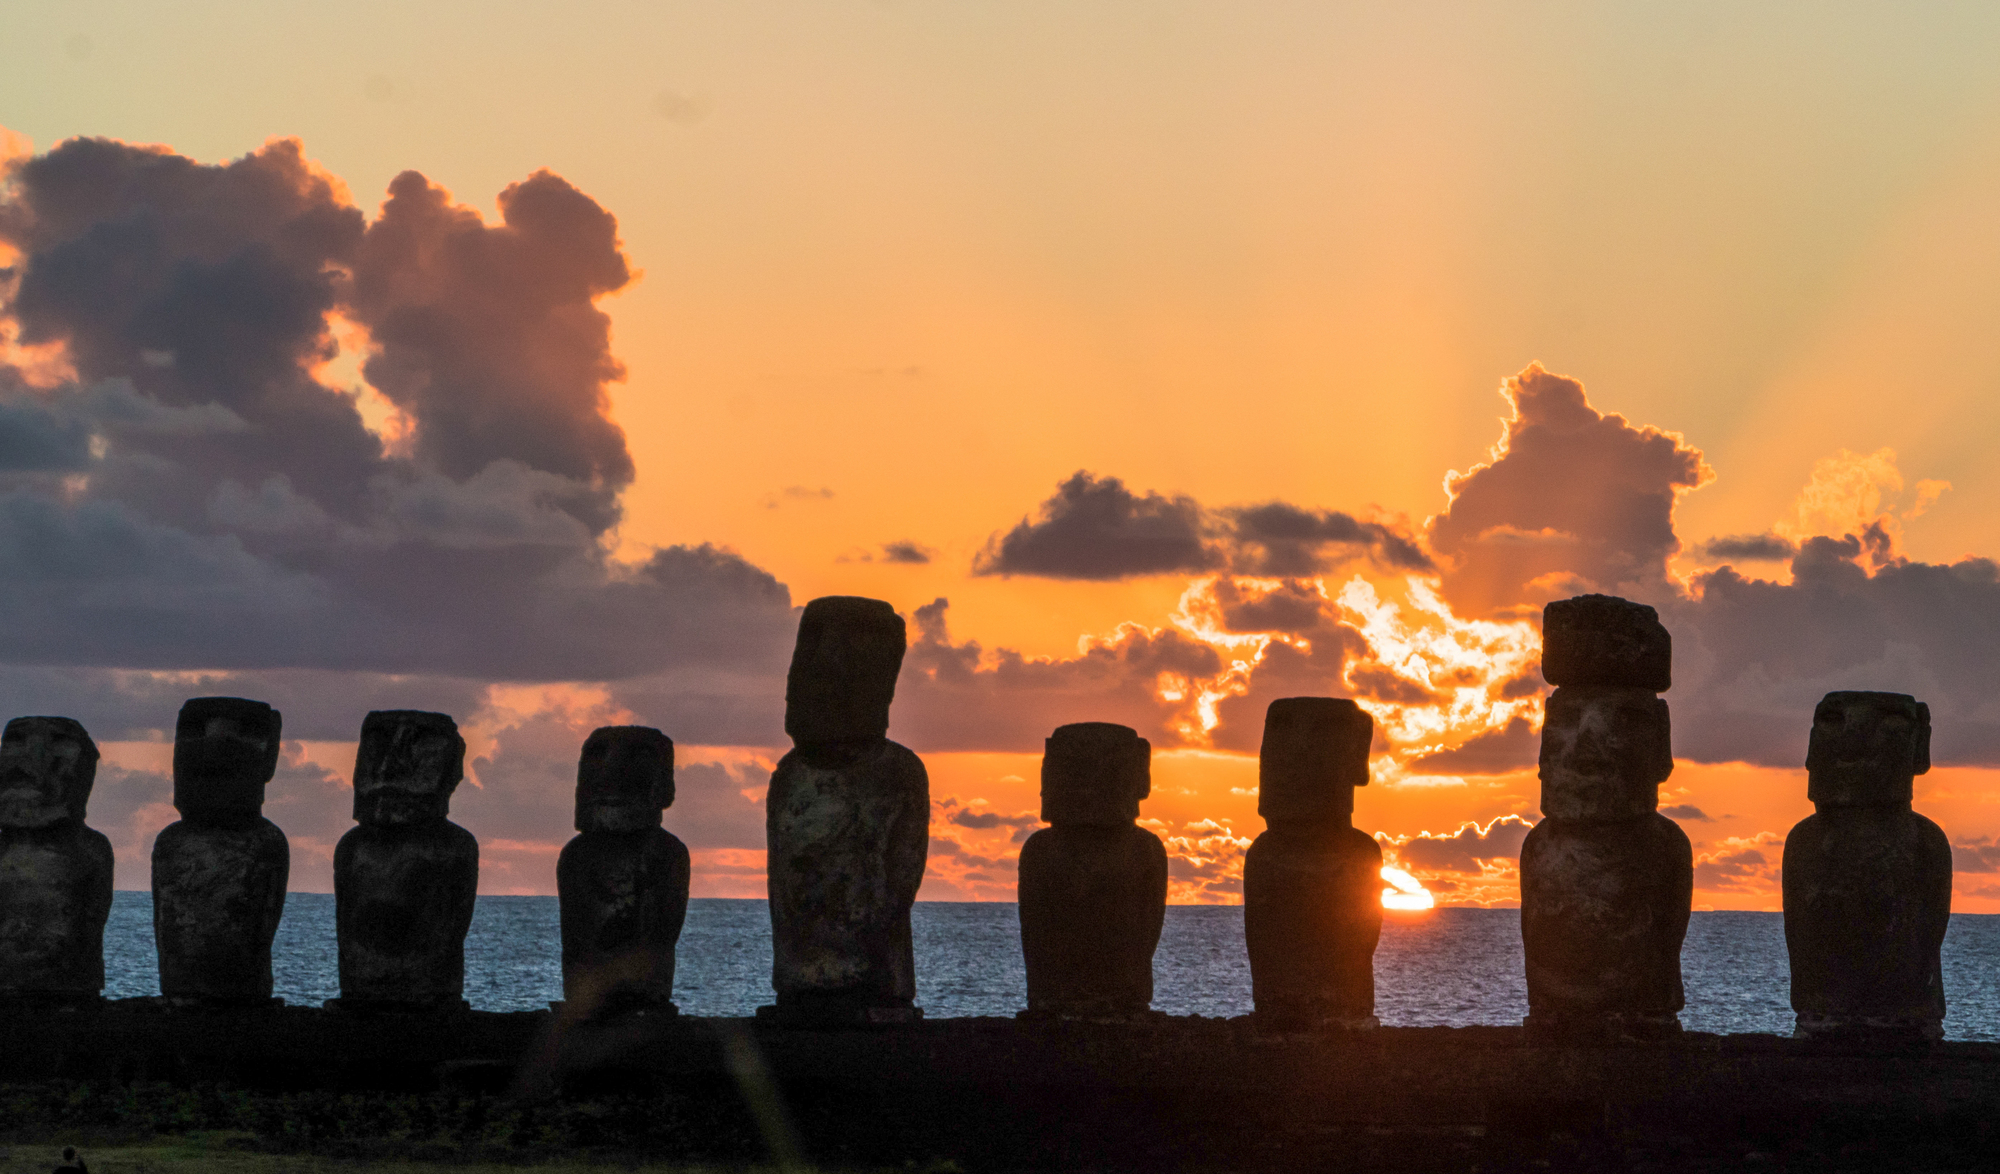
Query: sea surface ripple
{"points": [[1448, 967]]}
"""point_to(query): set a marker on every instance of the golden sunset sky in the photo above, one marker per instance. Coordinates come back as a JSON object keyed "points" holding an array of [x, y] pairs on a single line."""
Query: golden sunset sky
{"points": [[898, 273]]}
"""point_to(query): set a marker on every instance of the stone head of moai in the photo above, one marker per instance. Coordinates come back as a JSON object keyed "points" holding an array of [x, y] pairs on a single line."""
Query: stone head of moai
{"points": [[1095, 773], [1315, 752], [1605, 751], [624, 779], [47, 766], [843, 673], [225, 750], [406, 767], [1606, 738], [1605, 640], [1867, 749]]}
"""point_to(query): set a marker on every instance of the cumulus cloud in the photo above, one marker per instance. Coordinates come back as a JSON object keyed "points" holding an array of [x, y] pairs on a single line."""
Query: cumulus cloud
{"points": [[196, 496], [1097, 528], [1740, 864], [1277, 538], [1756, 655], [1572, 500], [959, 696], [1514, 746], [1465, 850]]}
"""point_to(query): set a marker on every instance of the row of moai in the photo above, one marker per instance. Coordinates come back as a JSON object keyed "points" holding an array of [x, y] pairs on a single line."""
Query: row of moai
{"points": [[1606, 880]]}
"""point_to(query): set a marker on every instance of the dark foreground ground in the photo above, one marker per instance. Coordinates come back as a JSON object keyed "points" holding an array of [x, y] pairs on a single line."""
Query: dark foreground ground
{"points": [[297, 1089]]}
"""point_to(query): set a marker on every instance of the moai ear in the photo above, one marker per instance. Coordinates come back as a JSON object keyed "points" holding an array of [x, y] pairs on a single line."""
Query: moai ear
{"points": [[1921, 751], [1143, 769], [1663, 746]]}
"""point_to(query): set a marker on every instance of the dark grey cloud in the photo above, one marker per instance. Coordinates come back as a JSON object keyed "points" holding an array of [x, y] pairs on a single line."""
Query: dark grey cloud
{"points": [[912, 553], [318, 705], [1512, 747], [1096, 528], [201, 500], [1686, 811], [1463, 850], [1748, 548], [1277, 538], [1752, 657]]}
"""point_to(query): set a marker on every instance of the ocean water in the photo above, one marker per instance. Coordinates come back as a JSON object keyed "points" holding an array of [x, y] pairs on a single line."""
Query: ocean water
{"points": [[1447, 967]]}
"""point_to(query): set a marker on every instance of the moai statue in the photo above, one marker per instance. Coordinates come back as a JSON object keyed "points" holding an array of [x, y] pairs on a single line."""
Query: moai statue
{"points": [[1867, 880], [55, 873], [404, 881], [1093, 885], [219, 873], [847, 823], [623, 880], [1312, 883], [1607, 882]]}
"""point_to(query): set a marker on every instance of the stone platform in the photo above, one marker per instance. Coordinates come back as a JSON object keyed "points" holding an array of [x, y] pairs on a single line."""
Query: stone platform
{"points": [[1166, 1091]]}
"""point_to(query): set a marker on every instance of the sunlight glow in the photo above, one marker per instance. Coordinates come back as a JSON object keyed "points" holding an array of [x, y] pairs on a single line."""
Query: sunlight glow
{"points": [[1409, 893]]}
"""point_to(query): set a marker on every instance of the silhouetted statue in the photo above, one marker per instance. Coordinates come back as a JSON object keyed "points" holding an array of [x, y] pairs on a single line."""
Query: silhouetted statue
{"points": [[847, 824], [55, 873], [1093, 886], [623, 880], [219, 873], [1607, 882], [1312, 883], [404, 881], [1867, 880]]}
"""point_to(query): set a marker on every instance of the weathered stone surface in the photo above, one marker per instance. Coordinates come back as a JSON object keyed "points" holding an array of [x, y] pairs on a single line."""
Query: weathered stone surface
{"points": [[406, 767], [55, 873], [225, 750], [404, 881], [1867, 749], [847, 845], [47, 767], [1867, 881], [1604, 908], [1092, 901], [843, 673], [1312, 908], [1314, 753], [623, 881], [1095, 773], [218, 893], [624, 898], [219, 874], [1605, 751], [1605, 640], [1312, 914], [624, 779], [1867, 901]]}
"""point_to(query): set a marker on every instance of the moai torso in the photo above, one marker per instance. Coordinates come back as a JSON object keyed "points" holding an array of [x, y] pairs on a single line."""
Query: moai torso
{"points": [[1312, 882], [847, 824], [405, 880], [219, 873], [1607, 882], [55, 873], [1093, 886], [623, 880], [1867, 880]]}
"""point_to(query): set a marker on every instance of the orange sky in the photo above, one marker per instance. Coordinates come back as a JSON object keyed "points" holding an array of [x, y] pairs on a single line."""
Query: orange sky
{"points": [[905, 267]]}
